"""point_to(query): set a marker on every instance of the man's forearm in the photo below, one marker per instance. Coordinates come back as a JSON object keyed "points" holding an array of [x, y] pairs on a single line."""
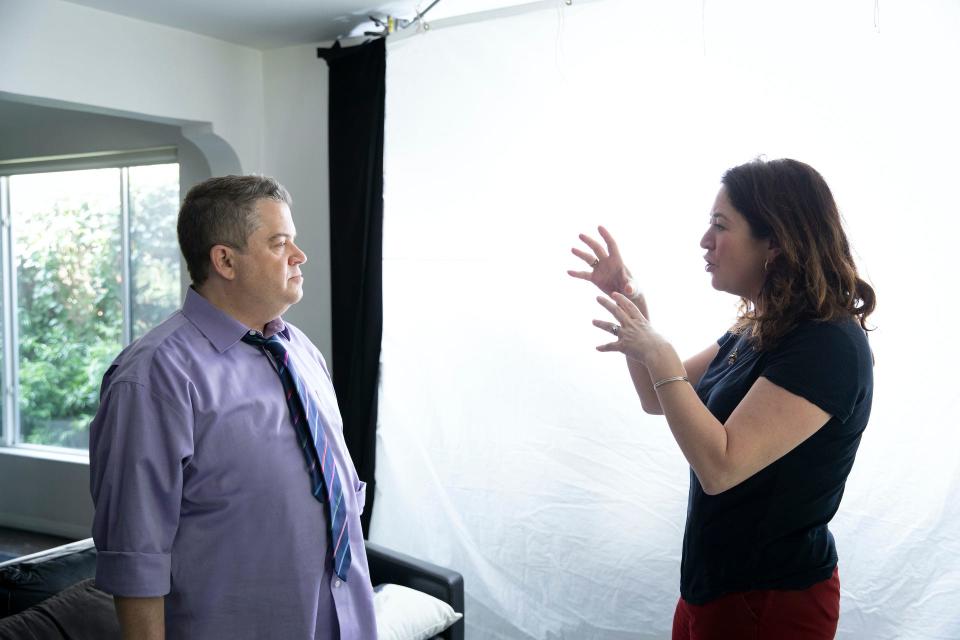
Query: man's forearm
{"points": [[140, 618]]}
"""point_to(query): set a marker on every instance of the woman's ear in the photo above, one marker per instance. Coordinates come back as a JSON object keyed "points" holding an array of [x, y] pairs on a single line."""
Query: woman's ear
{"points": [[773, 249], [223, 260]]}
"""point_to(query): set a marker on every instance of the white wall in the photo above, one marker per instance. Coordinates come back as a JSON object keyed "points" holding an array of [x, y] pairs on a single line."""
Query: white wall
{"points": [[237, 110], [50, 496], [30, 131], [295, 150], [61, 53]]}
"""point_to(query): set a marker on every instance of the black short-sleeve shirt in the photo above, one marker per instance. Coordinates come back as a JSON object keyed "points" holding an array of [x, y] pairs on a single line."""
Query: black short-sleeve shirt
{"points": [[770, 531]]}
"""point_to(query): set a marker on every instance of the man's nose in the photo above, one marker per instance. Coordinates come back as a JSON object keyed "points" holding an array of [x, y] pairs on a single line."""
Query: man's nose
{"points": [[298, 256]]}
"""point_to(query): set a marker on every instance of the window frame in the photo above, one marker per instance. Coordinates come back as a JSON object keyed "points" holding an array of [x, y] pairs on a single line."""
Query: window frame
{"points": [[9, 372]]}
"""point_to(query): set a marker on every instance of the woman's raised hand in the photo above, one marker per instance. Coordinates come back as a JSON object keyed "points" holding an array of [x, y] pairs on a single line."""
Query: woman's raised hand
{"points": [[607, 270]]}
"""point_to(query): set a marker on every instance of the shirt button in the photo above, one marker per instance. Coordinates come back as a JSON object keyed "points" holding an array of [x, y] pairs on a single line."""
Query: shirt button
{"points": [[253, 333], [336, 584]]}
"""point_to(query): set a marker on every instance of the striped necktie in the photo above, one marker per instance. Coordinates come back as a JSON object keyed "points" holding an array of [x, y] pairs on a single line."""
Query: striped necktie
{"points": [[307, 422]]}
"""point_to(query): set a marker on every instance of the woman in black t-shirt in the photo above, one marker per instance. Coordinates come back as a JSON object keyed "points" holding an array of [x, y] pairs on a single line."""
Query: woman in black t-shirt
{"points": [[770, 416]]}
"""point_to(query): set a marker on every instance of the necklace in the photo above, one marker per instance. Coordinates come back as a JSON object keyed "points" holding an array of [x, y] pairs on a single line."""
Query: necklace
{"points": [[736, 348]]}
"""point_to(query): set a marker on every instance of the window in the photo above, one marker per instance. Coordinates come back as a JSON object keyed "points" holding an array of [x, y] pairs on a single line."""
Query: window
{"points": [[89, 262]]}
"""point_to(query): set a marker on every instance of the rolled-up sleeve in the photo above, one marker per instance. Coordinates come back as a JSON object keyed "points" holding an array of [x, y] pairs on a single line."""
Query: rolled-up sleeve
{"points": [[139, 446]]}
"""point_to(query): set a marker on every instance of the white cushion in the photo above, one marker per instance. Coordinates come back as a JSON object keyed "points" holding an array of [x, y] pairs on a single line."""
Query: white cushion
{"points": [[408, 614]]}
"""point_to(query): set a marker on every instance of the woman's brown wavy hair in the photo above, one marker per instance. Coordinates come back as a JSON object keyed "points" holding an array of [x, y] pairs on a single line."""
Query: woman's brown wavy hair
{"points": [[814, 276]]}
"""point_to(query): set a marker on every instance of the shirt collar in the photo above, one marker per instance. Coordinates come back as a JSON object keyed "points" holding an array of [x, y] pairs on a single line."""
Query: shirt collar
{"points": [[221, 329]]}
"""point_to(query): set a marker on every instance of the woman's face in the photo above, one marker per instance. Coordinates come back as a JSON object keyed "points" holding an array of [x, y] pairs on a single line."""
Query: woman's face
{"points": [[735, 259]]}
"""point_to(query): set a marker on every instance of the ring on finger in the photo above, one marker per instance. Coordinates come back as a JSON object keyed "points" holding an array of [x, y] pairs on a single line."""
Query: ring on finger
{"points": [[615, 330], [594, 263]]}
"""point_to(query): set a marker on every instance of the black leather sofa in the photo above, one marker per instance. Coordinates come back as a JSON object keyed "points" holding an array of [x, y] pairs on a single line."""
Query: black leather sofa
{"points": [[50, 595]]}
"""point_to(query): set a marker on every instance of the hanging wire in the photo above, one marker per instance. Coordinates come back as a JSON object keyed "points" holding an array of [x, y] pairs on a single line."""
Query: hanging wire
{"points": [[558, 43], [703, 26], [419, 17]]}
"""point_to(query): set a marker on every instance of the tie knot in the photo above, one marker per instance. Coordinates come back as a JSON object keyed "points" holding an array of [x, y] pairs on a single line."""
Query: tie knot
{"points": [[254, 337], [272, 343]]}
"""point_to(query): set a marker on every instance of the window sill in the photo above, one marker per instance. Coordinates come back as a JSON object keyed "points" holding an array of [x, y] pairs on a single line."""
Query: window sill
{"points": [[40, 452]]}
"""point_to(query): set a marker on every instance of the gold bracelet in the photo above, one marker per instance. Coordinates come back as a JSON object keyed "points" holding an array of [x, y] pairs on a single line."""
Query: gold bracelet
{"points": [[660, 383]]}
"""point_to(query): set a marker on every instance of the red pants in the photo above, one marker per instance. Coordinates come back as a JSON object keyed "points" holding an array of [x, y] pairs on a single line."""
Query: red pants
{"points": [[809, 614]]}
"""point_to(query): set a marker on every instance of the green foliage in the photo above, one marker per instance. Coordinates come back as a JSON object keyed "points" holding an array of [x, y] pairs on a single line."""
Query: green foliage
{"points": [[154, 254], [70, 305], [70, 318]]}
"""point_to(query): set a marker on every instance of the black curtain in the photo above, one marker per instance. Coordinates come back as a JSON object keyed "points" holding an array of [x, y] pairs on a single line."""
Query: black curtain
{"points": [[357, 87]]}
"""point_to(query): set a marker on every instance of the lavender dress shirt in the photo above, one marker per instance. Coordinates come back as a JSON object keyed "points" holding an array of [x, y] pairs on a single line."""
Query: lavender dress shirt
{"points": [[201, 491]]}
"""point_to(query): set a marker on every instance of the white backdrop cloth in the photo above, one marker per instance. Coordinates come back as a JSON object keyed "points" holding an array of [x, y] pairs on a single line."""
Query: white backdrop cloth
{"points": [[512, 451]]}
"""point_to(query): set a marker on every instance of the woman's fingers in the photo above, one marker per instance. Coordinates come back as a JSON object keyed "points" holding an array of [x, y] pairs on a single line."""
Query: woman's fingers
{"points": [[614, 310], [589, 258], [611, 243], [598, 249], [583, 275], [625, 303], [607, 326], [610, 346]]}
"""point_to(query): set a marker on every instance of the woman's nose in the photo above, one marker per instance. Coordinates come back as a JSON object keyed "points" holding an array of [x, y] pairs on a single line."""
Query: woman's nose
{"points": [[706, 242]]}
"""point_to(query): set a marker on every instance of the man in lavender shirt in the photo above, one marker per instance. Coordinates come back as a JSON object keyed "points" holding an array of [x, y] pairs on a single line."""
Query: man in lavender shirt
{"points": [[205, 525]]}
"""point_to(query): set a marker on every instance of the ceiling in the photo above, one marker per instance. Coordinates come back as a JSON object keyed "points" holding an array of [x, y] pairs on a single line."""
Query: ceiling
{"points": [[270, 24]]}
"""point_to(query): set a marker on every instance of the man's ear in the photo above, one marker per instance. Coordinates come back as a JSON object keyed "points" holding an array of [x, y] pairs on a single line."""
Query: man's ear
{"points": [[223, 260]]}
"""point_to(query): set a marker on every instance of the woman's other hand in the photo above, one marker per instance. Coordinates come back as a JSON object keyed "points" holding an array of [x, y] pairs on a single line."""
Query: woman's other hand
{"points": [[635, 335], [607, 269]]}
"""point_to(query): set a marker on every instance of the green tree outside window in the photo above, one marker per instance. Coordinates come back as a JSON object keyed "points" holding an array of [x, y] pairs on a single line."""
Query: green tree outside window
{"points": [[68, 258]]}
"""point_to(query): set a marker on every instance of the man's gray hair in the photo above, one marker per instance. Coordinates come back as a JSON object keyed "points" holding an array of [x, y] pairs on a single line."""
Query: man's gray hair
{"points": [[221, 211]]}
